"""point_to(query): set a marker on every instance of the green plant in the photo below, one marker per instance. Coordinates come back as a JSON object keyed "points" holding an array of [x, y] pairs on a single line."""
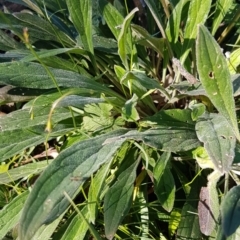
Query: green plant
{"points": [[145, 149]]}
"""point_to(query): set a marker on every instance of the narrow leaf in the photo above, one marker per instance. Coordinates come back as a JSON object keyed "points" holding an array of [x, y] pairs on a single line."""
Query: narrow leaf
{"points": [[218, 139], [197, 14], [230, 211], [222, 7], [123, 36], [66, 174], [215, 76], [164, 186], [81, 16], [117, 200], [10, 214], [23, 171]]}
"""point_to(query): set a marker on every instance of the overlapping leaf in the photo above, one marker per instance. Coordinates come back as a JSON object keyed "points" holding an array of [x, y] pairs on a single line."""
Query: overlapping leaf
{"points": [[69, 171], [215, 76]]}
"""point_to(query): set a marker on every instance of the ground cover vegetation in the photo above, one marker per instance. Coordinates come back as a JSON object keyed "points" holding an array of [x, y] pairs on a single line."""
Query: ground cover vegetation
{"points": [[122, 120]]}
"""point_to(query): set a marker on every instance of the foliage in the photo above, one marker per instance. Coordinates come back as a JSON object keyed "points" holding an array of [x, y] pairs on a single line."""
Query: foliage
{"points": [[139, 109]]}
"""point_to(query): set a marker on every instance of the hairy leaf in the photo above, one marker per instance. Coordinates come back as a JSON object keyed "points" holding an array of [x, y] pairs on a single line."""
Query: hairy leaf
{"points": [[215, 76], [218, 139], [10, 214], [66, 174]]}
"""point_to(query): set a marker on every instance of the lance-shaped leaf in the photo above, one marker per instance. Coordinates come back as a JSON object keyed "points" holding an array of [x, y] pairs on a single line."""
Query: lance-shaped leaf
{"points": [[81, 16], [164, 186], [117, 201], [66, 174], [10, 214], [166, 139], [230, 211], [218, 139], [222, 7], [122, 39], [197, 13], [215, 76]]}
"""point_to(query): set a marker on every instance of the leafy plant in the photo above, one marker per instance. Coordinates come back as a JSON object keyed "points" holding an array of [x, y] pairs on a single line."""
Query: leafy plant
{"points": [[142, 149]]}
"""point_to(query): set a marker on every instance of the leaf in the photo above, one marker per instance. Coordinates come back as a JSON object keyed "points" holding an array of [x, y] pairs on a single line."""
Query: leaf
{"points": [[67, 173], [208, 205], [98, 117], [46, 231], [129, 111], [81, 16], [77, 101], [174, 22], [172, 118], [123, 36], [189, 225], [164, 185], [22, 118], [118, 200], [10, 214], [218, 139], [166, 139], [142, 37], [234, 61], [16, 140], [230, 211], [112, 17], [8, 43], [174, 221], [197, 14], [77, 228], [222, 8], [215, 76], [38, 28], [23, 171]]}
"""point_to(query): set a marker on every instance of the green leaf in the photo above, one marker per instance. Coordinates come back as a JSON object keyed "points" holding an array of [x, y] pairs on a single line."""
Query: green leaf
{"points": [[118, 200], [234, 61], [16, 140], [77, 228], [174, 22], [8, 43], [142, 37], [197, 14], [215, 76], [189, 225], [23, 171], [218, 139], [129, 111], [167, 139], [81, 16], [230, 211], [38, 28], [112, 17], [67, 173], [171, 118], [123, 37], [22, 118], [222, 7], [174, 221], [98, 117], [10, 214], [164, 185]]}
